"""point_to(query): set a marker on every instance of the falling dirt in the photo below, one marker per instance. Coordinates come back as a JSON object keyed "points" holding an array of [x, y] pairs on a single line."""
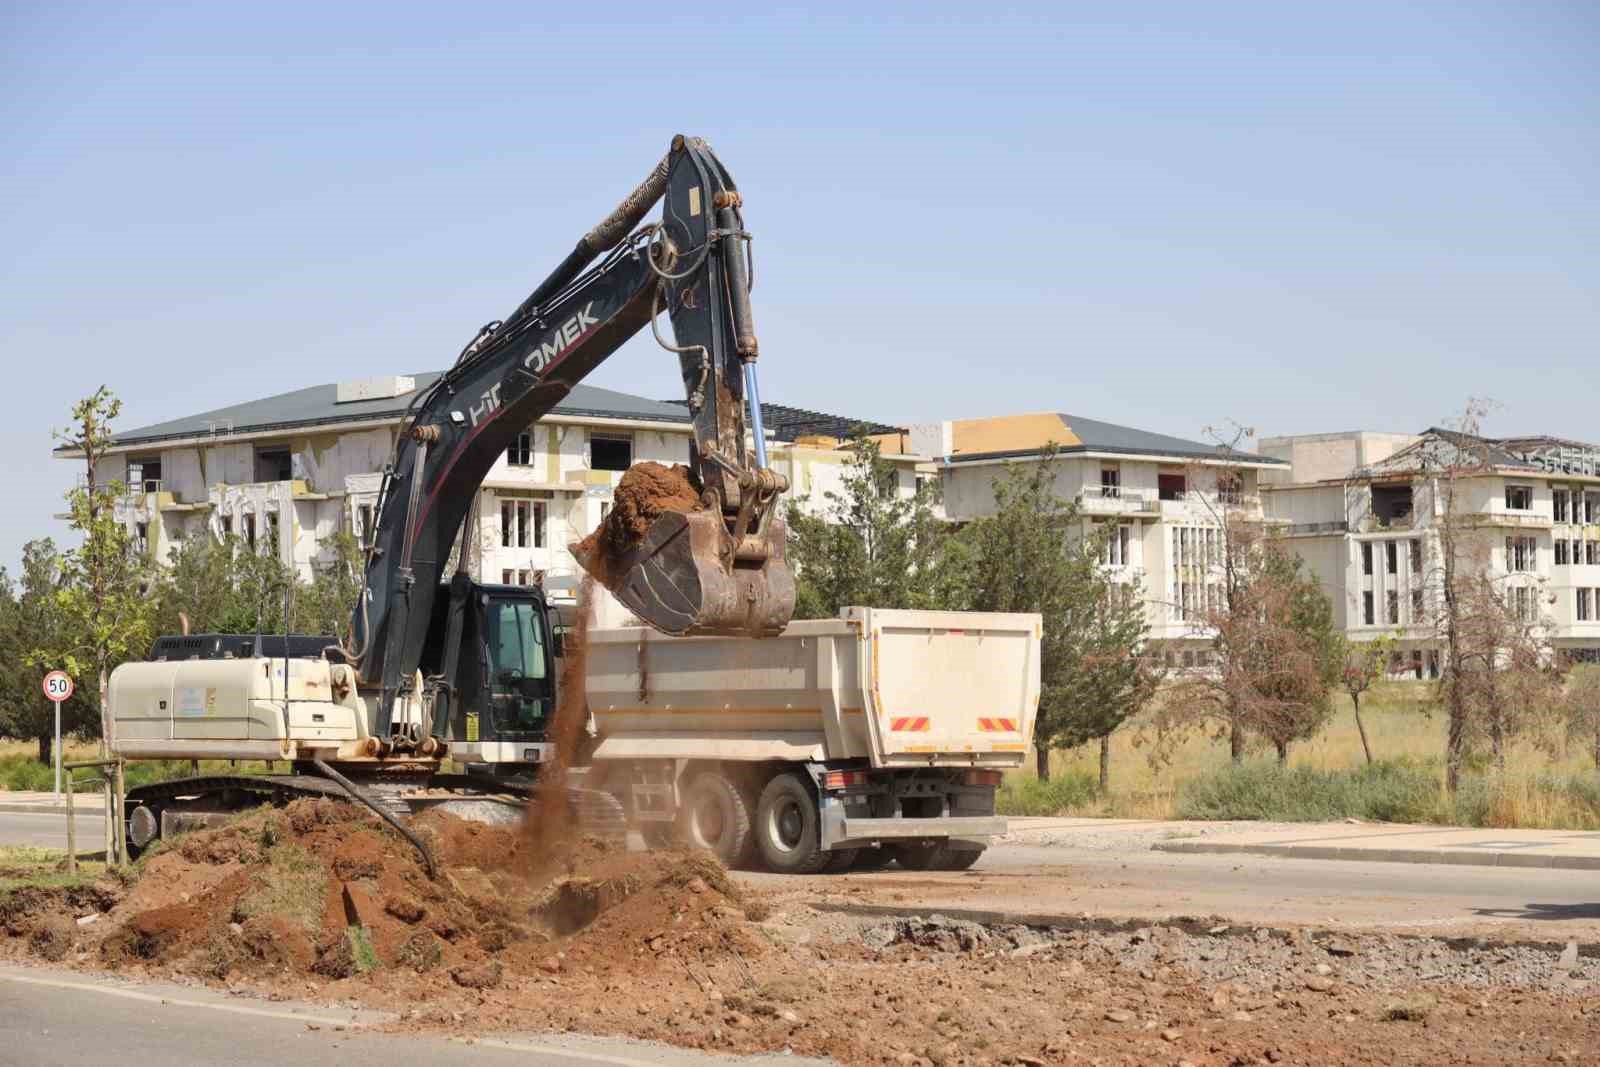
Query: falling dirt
{"points": [[644, 493], [547, 823]]}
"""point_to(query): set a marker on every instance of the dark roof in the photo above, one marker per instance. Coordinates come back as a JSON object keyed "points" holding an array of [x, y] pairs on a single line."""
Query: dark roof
{"points": [[786, 423], [1440, 448], [1096, 436], [315, 406]]}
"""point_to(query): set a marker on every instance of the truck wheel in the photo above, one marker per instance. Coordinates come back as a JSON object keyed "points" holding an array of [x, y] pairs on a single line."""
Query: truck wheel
{"points": [[841, 860], [916, 856], [955, 859], [715, 816], [873, 859], [786, 827]]}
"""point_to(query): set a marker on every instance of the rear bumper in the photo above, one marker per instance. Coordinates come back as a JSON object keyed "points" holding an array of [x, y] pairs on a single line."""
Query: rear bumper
{"points": [[841, 831]]}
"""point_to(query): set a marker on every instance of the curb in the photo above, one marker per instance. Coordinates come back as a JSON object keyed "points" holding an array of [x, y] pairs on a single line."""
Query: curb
{"points": [[48, 809], [1453, 857]]}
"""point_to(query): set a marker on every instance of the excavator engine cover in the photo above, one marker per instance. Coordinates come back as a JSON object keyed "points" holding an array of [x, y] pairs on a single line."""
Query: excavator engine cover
{"points": [[683, 578]]}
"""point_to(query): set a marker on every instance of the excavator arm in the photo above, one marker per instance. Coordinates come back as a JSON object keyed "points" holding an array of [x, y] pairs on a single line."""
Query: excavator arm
{"points": [[717, 569]]}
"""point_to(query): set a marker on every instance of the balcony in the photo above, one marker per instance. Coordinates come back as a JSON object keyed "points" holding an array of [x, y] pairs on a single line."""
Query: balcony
{"points": [[1115, 500]]}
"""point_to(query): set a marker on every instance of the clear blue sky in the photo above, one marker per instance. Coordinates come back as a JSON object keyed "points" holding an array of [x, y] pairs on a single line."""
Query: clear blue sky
{"points": [[1305, 218]]}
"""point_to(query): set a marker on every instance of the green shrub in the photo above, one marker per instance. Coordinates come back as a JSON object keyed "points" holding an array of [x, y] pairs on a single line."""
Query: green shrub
{"points": [[1388, 791], [1030, 796]]}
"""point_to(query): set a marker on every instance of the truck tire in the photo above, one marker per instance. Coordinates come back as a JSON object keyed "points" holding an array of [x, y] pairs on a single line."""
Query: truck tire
{"points": [[787, 831], [715, 816], [917, 856], [841, 860], [873, 859], [958, 859]]}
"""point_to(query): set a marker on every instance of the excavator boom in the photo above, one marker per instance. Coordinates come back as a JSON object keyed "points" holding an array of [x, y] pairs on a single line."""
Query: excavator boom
{"points": [[716, 568]]}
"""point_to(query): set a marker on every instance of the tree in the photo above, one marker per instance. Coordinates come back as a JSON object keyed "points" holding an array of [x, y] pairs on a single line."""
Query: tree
{"points": [[1036, 554], [1364, 663], [1276, 651], [1581, 708], [868, 543], [102, 594], [28, 612], [1496, 679]]}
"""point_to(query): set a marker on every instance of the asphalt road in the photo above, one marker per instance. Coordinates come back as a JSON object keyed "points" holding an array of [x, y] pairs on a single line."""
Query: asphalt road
{"points": [[60, 1019], [50, 831]]}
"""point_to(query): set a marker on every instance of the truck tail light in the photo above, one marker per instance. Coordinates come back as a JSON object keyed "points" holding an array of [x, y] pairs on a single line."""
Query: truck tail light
{"points": [[843, 779], [981, 778]]}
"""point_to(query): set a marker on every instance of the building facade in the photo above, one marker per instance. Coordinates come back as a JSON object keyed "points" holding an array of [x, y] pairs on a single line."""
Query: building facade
{"points": [[286, 473], [1164, 497], [1364, 513]]}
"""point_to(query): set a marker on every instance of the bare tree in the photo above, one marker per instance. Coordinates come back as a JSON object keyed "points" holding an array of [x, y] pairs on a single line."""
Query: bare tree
{"points": [[1497, 677], [1364, 664]]}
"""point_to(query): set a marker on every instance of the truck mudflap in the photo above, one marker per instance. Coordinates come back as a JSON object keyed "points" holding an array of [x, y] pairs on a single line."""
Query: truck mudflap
{"points": [[842, 831]]}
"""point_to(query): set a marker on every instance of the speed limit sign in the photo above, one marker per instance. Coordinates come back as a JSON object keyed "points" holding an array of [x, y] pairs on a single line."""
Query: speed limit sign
{"points": [[58, 686]]}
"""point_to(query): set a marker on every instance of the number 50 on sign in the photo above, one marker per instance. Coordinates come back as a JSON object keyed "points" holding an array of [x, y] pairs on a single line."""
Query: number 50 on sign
{"points": [[58, 686]]}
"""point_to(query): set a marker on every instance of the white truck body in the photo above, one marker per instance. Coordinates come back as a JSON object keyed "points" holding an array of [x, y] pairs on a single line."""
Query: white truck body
{"points": [[894, 688]]}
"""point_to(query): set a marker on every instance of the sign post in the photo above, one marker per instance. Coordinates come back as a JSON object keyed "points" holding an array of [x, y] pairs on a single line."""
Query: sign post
{"points": [[58, 688]]}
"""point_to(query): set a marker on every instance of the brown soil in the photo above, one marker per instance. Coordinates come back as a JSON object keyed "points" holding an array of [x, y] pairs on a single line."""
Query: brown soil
{"points": [[645, 491], [664, 946]]}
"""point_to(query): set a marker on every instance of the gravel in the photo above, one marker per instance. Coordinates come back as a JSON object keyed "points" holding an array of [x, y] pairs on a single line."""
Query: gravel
{"points": [[1258, 960]]}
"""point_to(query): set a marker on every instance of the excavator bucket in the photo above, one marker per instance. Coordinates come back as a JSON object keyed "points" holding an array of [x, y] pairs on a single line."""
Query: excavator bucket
{"points": [[683, 577]]}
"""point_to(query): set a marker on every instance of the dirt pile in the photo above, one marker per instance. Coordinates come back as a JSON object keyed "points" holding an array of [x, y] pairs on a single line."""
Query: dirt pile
{"points": [[320, 890], [645, 492]]}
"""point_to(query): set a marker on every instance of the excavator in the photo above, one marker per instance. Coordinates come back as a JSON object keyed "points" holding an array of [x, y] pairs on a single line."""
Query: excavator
{"points": [[440, 666]]}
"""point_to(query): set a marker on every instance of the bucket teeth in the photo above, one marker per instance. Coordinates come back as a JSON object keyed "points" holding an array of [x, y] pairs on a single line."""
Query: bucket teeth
{"points": [[682, 579]]}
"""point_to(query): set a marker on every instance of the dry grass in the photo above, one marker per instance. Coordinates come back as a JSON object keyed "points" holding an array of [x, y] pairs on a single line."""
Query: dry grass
{"points": [[1537, 791]]}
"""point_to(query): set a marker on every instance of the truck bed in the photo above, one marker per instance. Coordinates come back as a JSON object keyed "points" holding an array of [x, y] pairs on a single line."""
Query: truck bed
{"points": [[896, 688]]}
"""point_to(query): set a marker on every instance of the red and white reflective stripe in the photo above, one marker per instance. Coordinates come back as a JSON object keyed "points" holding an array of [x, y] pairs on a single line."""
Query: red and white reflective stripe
{"points": [[1003, 726], [909, 724]]}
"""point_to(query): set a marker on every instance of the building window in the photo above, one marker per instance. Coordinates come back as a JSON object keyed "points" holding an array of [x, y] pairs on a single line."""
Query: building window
{"points": [[272, 531], [144, 475], [141, 537], [1171, 486], [506, 576], [227, 526], [1562, 552], [1591, 552], [250, 530], [610, 452], [364, 529], [1416, 556], [1115, 552], [1523, 602], [1583, 605], [1393, 599], [522, 523], [1519, 498], [1366, 557], [1591, 508], [1111, 482], [1558, 502], [1391, 504], [1230, 490], [1366, 608], [524, 577], [1391, 556], [274, 465], [520, 452], [1416, 663], [1521, 554], [1416, 607]]}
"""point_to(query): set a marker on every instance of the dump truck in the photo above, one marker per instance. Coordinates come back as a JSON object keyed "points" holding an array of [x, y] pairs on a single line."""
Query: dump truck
{"points": [[877, 736]]}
